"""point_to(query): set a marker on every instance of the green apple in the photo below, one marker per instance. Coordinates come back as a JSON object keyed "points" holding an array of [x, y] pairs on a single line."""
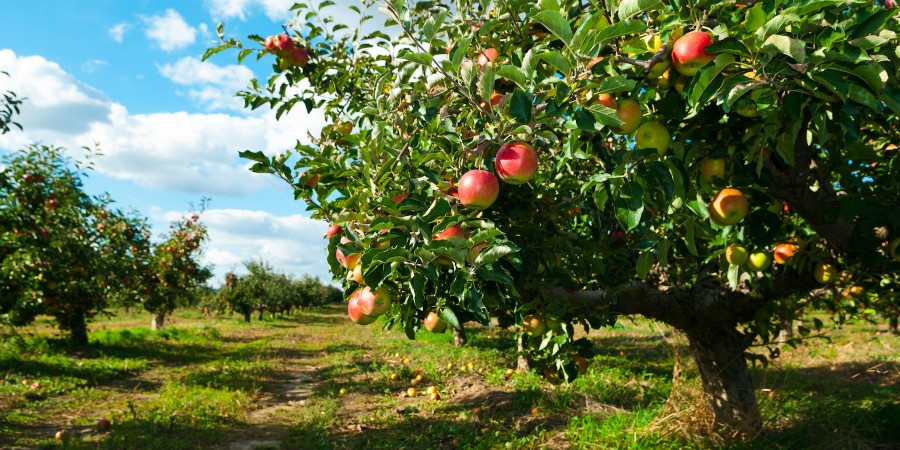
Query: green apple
{"points": [[736, 254], [758, 261], [652, 135], [825, 273]]}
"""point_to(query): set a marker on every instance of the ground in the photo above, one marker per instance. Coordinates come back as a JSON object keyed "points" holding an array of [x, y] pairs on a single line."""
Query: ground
{"points": [[277, 383]]}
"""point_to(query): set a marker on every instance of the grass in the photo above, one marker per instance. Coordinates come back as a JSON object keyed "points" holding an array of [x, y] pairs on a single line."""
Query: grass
{"points": [[316, 380]]}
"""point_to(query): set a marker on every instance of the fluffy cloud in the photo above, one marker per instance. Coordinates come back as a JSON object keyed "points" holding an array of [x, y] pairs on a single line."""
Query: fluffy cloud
{"points": [[211, 85], [240, 9], [117, 32], [293, 243], [170, 31]]}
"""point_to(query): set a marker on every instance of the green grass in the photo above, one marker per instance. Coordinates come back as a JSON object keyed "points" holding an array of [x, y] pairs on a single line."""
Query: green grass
{"points": [[210, 383]]}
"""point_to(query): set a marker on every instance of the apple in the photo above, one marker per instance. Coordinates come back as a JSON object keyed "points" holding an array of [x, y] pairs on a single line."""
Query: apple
{"points": [[652, 135], [580, 362], [784, 252], [516, 162], [343, 391], [411, 392], [311, 180], [478, 189], [711, 168], [894, 249], [355, 312], [758, 261], [103, 423], [452, 231], [658, 70], [488, 55], [434, 324], [374, 303], [356, 275], [689, 52], [494, 101], [332, 231], [630, 113], [606, 100], [890, 3], [746, 107], [728, 207], [62, 435], [349, 261], [399, 198], [474, 252], [29, 178], [283, 43], [344, 128], [270, 43], [825, 273], [435, 396], [533, 325], [736, 254]]}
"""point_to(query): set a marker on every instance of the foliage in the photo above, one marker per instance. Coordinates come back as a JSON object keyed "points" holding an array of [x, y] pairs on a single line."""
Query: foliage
{"points": [[9, 106], [265, 289], [799, 100], [62, 252]]}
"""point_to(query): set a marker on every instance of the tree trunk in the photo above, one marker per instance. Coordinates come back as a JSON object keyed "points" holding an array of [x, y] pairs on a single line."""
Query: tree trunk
{"points": [[247, 314], [726, 381], [158, 321], [78, 328], [523, 363], [892, 324], [260, 315], [786, 332], [459, 336]]}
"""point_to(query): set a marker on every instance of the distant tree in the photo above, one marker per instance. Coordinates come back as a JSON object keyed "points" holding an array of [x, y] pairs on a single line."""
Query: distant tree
{"points": [[62, 252]]}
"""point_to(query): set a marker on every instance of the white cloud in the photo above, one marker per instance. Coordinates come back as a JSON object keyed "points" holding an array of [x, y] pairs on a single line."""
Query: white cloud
{"points": [[292, 244], [178, 151], [91, 65], [117, 32], [211, 85], [170, 31], [240, 9]]}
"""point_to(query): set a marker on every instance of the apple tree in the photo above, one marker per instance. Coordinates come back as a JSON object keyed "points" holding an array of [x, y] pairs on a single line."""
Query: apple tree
{"points": [[9, 106], [62, 252], [556, 164]]}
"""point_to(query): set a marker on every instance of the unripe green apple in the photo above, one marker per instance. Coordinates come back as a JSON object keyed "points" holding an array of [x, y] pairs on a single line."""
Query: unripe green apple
{"points": [[534, 325], [516, 162], [825, 273], [711, 168], [434, 324], [652, 135], [728, 207], [758, 261], [736, 254], [478, 189]]}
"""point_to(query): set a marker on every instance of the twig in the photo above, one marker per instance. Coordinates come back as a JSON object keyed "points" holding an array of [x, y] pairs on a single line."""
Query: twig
{"points": [[648, 64]]}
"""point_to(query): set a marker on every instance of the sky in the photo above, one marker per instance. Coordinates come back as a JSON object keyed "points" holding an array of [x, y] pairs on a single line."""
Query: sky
{"points": [[127, 76]]}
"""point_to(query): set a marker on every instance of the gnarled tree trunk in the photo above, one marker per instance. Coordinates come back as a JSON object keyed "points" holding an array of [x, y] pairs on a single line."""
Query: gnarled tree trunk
{"points": [[77, 328], [459, 336], [786, 332], [892, 324], [523, 363], [247, 314], [726, 381], [158, 321]]}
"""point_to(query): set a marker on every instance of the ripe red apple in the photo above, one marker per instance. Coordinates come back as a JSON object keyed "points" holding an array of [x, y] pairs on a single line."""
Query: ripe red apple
{"points": [[434, 324], [103, 423], [332, 231], [736, 254], [29, 178], [784, 252], [270, 43], [348, 261], [890, 3], [399, 198], [311, 180], [474, 252], [374, 303], [298, 57], [533, 325], [516, 162], [494, 101], [62, 435], [488, 55], [630, 113], [652, 135], [478, 189], [728, 207], [283, 43], [452, 231], [355, 312], [689, 52], [606, 100], [712, 168]]}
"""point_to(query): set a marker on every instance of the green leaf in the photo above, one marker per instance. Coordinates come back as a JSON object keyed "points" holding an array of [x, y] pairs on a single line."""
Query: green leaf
{"points": [[702, 80], [432, 25], [644, 264], [754, 18], [493, 254], [734, 276], [417, 289], [520, 107], [460, 50], [789, 46], [606, 116], [486, 83], [662, 251], [488, 273], [514, 74], [557, 60], [630, 205], [616, 83], [628, 8], [618, 30], [872, 73], [417, 57], [581, 41], [556, 23], [689, 236]]}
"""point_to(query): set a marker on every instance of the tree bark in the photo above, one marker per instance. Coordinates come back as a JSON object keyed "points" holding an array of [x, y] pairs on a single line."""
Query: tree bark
{"points": [[892, 324], [260, 315], [523, 363], [459, 336], [247, 314], [77, 328], [786, 332], [158, 321], [726, 381]]}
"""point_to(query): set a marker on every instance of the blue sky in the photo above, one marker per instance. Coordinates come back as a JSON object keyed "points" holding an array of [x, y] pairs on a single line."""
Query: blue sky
{"points": [[128, 76]]}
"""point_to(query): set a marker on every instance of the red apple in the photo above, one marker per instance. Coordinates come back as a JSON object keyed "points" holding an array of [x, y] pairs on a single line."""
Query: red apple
{"points": [[270, 43], [434, 324], [784, 252], [652, 135], [516, 162], [103, 423], [452, 231], [332, 231], [630, 113], [689, 52], [478, 189], [62, 435], [355, 311], [580, 362], [606, 100], [728, 207], [298, 57], [374, 303], [399, 198], [348, 261], [283, 43], [488, 55], [495, 100]]}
